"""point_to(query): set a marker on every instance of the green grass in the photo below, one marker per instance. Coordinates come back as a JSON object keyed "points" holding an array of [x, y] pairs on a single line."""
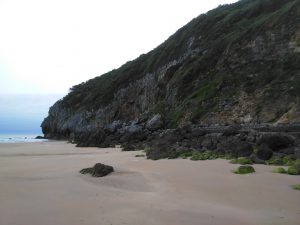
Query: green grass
{"points": [[244, 170]]}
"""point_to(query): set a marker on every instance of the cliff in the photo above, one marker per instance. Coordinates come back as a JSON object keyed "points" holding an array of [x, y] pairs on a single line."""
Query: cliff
{"points": [[236, 64]]}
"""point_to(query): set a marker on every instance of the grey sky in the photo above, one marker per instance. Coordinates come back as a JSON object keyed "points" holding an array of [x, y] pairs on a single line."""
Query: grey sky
{"points": [[24, 113]]}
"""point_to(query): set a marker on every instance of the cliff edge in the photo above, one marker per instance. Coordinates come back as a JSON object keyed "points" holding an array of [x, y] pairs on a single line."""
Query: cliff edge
{"points": [[238, 64]]}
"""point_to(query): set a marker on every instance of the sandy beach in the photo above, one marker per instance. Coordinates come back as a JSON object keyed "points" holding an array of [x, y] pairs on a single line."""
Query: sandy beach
{"points": [[40, 185]]}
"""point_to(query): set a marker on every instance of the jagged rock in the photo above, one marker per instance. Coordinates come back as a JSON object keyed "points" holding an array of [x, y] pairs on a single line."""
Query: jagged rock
{"points": [[232, 130], [98, 170], [155, 123], [162, 150], [133, 129], [208, 143], [198, 132], [95, 139], [242, 149], [170, 136], [114, 126], [287, 151], [256, 160]]}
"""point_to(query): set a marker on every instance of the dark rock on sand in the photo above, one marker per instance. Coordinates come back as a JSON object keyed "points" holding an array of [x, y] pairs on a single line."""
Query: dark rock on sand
{"points": [[98, 170]]}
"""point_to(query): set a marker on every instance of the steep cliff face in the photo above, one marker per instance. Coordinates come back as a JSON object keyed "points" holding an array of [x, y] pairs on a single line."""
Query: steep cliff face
{"points": [[239, 63]]}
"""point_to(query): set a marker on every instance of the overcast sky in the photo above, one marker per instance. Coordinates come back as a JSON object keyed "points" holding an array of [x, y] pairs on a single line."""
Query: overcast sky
{"points": [[47, 46]]}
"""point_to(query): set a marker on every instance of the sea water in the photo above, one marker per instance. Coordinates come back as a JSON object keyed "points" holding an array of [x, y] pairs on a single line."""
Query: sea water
{"points": [[19, 138]]}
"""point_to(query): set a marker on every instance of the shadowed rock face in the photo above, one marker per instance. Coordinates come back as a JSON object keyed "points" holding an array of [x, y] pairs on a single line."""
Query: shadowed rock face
{"points": [[237, 64], [98, 170]]}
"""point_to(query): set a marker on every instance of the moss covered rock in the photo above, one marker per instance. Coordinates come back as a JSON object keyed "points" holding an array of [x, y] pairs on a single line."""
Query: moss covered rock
{"points": [[295, 168], [242, 161], [275, 161], [279, 170], [207, 155], [244, 170]]}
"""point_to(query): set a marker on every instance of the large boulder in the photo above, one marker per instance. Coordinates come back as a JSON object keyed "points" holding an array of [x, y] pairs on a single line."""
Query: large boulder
{"points": [[155, 123], [277, 141], [244, 170], [98, 170], [232, 145], [242, 149], [264, 152]]}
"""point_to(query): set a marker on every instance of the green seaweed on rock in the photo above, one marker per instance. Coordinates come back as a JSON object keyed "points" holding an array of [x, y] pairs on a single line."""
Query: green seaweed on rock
{"points": [[244, 170]]}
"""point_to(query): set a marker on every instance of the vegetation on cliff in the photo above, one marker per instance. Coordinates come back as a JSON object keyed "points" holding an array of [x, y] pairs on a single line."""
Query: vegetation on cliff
{"points": [[239, 50], [236, 64]]}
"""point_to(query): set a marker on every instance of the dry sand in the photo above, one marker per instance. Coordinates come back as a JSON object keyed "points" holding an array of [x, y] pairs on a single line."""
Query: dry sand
{"points": [[40, 185]]}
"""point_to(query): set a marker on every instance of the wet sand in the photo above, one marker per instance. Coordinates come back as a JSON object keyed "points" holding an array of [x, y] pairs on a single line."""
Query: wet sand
{"points": [[40, 185]]}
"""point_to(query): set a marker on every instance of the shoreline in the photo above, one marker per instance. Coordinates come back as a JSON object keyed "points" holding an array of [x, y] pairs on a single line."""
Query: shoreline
{"points": [[20, 138], [41, 184]]}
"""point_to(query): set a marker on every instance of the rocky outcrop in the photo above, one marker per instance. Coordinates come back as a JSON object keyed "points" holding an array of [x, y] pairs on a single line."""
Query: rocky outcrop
{"points": [[245, 142], [226, 81]]}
